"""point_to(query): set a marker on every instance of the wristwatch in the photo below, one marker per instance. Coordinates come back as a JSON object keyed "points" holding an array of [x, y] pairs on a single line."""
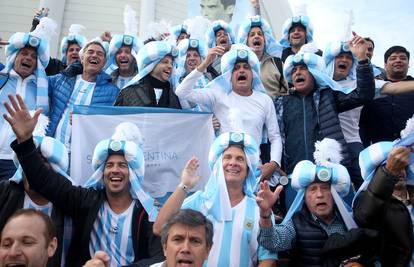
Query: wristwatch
{"points": [[184, 188]]}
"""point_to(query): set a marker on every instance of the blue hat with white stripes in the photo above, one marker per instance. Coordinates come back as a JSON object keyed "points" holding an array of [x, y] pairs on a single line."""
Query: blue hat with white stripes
{"points": [[74, 36], [215, 195], [149, 56], [127, 141]]}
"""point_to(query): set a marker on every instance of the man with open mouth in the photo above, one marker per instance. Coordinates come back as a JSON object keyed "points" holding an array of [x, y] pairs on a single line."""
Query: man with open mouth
{"points": [[83, 83], [27, 56], [310, 111], [240, 92], [112, 209], [27, 240], [296, 32], [152, 86], [318, 213], [219, 37]]}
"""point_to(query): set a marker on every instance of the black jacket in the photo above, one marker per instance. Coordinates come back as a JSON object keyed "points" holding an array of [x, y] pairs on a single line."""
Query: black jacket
{"points": [[385, 117], [304, 120], [12, 199], [143, 94], [376, 208], [83, 206]]}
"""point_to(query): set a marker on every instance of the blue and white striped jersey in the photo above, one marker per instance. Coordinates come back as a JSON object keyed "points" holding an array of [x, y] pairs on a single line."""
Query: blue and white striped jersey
{"points": [[112, 233], [81, 95], [235, 242]]}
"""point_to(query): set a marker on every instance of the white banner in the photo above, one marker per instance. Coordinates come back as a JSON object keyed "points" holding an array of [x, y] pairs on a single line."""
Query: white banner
{"points": [[171, 138]]}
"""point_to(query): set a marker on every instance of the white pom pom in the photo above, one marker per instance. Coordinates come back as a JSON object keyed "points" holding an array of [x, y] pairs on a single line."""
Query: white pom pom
{"points": [[45, 29], [76, 29], [348, 23], [197, 27], [157, 30], [308, 48], [327, 151], [127, 131], [41, 126], [300, 9], [409, 128], [130, 21]]}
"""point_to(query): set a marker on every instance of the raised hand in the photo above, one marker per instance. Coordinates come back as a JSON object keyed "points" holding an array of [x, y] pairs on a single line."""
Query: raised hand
{"points": [[358, 47], [265, 198], [398, 160], [189, 176], [20, 119], [212, 54]]}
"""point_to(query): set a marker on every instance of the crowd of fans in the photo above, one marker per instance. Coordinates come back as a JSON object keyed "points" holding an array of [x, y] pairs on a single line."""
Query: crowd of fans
{"points": [[340, 128]]}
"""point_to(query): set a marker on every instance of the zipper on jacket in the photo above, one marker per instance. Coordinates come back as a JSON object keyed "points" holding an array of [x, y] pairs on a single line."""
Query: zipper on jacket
{"points": [[304, 127]]}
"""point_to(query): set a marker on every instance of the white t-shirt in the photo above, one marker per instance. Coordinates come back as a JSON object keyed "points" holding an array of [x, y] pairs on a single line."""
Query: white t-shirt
{"points": [[257, 111]]}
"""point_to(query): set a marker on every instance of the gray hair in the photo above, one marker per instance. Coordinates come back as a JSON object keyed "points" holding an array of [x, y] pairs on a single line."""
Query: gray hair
{"points": [[190, 218]]}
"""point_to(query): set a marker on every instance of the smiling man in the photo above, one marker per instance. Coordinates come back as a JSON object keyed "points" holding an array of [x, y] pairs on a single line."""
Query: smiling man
{"points": [[112, 211], [27, 239], [27, 57], [83, 83], [227, 200], [151, 87]]}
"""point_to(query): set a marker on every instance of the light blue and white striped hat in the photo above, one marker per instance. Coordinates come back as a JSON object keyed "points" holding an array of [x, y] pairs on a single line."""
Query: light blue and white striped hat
{"points": [[116, 43], [214, 28], [334, 49], [51, 149], [293, 21], [149, 56], [179, 29], [315, 64], [376, 155], [272, 47], [74, 36], [215, 196], [183, 47], [36, 39], [236, 53], [127, 140], [328, 170]]}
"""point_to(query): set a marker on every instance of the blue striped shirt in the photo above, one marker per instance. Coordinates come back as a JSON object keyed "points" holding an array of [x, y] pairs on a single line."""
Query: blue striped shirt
{"points": [[81, 95], [235, 242], [112, 233], [27, 88]]}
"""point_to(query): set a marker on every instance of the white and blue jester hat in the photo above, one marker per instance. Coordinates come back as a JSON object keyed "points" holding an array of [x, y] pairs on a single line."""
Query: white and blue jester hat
{"points": [[294, 21], [74, 36], [237, 53], [129, 38], [376, 155], [315, 64], [215, 197], [183, 47], [179, 29], [214, 28], [327, 169], [38, 39], [333, 50], [149, 56], [50, 148], [272, 47], [127, 140]]}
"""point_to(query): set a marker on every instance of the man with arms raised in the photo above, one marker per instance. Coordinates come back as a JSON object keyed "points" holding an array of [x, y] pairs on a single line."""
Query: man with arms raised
{"points": [[112, 211]]}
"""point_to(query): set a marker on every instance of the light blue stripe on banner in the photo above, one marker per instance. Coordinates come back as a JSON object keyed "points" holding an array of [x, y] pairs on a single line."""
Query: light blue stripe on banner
{"points": [[249, 217], [118, 239], [105, 110], [225, 249]]}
